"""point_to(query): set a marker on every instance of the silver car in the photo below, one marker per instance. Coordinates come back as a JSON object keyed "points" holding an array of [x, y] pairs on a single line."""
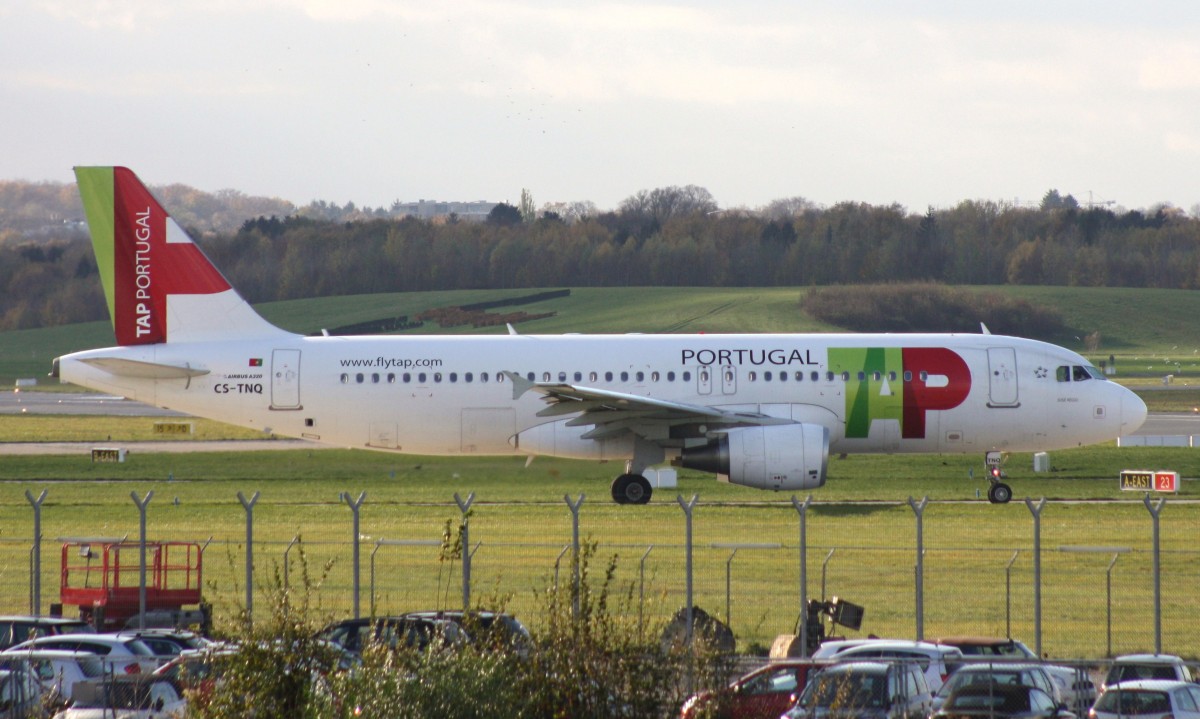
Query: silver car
{"points": [[1148, 699]]}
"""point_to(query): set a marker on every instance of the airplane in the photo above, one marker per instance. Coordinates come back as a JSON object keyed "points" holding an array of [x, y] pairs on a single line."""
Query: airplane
{"points": [[759, 410]]}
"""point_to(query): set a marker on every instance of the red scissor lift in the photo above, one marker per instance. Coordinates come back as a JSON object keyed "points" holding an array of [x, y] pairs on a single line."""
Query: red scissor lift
{"points": [[103, 579]]}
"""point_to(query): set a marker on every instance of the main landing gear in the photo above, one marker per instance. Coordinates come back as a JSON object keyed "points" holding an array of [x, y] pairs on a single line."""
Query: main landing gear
{"points": [[631, 489], [998, 491]]}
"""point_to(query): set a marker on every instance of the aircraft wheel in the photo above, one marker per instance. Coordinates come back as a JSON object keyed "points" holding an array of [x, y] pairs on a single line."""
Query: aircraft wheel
{"points": [[999, 493], [618, 489], [631, 489]]}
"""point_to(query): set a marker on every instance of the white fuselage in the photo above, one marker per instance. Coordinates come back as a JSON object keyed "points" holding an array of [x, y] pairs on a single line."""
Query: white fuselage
{"points": [[447, 395]]}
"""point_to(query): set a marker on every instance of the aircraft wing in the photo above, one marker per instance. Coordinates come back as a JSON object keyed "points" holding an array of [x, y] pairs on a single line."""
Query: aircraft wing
{"points": [[613, 413]]}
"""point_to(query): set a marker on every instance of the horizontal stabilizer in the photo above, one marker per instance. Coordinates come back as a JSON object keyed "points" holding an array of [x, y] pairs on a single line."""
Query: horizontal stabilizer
{"points": [[145, 370]]}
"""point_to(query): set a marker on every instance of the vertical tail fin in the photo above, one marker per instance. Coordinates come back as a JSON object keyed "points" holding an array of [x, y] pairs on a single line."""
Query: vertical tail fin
{"points": [[159, 285]]}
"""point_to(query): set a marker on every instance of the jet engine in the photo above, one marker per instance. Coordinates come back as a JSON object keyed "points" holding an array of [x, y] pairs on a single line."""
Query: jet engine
{"points": [[781, 457]]}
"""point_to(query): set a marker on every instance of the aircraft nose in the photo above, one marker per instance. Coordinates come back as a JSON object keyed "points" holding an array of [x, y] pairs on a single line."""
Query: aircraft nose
{"points": [[1133, 412]]}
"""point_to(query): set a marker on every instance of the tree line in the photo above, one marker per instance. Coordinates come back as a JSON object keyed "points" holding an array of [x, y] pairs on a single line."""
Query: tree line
{"points": [[666, 237]]}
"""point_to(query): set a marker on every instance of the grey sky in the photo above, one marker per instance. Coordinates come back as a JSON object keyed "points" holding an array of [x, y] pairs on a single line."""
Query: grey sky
{"points": [[919, 103]]}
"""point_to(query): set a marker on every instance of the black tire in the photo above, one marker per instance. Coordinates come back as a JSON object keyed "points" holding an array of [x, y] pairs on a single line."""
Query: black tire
{"points": [[631, 489], [1000, 493], [618, 489]]}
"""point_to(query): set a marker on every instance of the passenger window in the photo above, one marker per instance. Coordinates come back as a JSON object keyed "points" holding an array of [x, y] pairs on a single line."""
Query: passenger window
{"points": [[752, 376], [766, 376], [345, 378], [878, 376], [530, 376], [545, 376], [421, 378], [815, 376], [391, 378], [892, 376], [845, 376], [653, 376], [437, 376], [467, 377], [592, 377], [375, 378], [862, 376], [406, 377], [624, 376], [670, 376], [687, 376], [608, 376], [453, 376], [924, 376], [578, 376], [562, 376], [908, 375], [359, 378], [641, 377]]}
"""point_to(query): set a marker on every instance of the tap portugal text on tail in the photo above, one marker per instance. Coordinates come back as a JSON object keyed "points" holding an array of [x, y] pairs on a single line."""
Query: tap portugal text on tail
{"points": [[760, 410]]}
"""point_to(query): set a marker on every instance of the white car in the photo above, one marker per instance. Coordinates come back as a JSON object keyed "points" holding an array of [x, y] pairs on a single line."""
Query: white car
{"points": [[1147, 666], [1075, 687], [56, 670], [1148, 699], [937, 661], [125, 698], [123, 655]]}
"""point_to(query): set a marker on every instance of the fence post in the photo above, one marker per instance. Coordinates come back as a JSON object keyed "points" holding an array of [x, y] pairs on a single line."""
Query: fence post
{"points": [[919, 510], [355, 506], [687, 508], [802, 508], [1155, 511], [1008, 595], [642, 590], [141, 505], [35, 598], [575, 553], [248, 505], [464, 506], [1036, 511], [1108, 601], [287, 550]]}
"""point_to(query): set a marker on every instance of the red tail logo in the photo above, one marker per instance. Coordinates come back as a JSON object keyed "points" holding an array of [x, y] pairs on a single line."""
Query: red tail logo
{"points": [[153, 259]]}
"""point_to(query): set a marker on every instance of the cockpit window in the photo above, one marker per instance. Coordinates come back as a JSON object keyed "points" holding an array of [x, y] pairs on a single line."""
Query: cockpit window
{"points": [[1077, 373]]}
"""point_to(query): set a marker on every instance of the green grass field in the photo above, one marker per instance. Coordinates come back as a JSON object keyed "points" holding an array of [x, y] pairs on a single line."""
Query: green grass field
{"points": [[861, 540]]}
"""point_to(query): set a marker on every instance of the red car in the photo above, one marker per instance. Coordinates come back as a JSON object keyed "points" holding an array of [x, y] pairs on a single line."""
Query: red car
{"points": [[764, 693]]}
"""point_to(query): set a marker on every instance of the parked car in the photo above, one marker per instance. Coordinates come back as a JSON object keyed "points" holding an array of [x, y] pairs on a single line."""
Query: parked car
{"points": [[1148, 699], [17, 628], [764, 693], [394, 632], [56, 670], [20, 693], [1033, 675], [127, 655], [486, 628], [1075, 686], [125, 697], [936, 660], [865, 690], [166, 642], [1001, 701], [1147, 666]]}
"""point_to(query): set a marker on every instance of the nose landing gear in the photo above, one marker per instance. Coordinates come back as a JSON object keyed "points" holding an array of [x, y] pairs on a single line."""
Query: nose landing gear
{"points": [[998, 491]]}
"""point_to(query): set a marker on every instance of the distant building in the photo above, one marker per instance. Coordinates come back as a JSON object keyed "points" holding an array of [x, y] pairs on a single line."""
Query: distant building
{"points": [[476, 211]]}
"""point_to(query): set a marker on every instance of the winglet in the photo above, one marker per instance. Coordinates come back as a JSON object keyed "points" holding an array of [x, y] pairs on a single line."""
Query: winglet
{"points": [[519, 383], [511, 330], [983, 328]]}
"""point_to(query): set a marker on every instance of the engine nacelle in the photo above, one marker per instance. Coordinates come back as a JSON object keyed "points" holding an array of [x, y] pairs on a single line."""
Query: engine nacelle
{"points": [[786, 456]]}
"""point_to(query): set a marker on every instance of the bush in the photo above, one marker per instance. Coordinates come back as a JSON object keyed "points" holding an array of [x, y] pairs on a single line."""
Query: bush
{"points": [[929, 307]]}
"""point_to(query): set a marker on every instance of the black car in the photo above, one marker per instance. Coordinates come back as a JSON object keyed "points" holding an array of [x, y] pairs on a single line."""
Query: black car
{"points": [[393, 632], [18, 628], [486, 629], [1001, 701]]}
